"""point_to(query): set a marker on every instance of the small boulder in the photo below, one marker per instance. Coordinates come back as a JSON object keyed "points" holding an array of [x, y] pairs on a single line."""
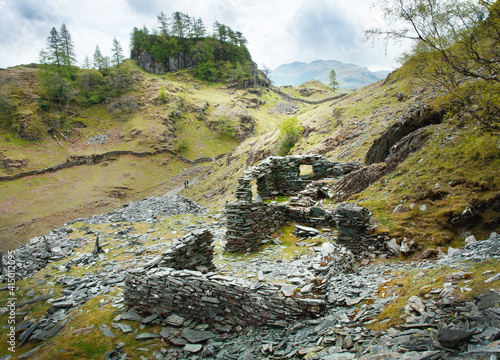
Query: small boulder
{"points": [[401, 208], [393, 246], [416, 304]]}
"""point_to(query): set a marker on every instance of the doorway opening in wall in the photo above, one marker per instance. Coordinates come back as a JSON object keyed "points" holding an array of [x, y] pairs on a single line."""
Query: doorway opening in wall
{"points": [[306, 171]]}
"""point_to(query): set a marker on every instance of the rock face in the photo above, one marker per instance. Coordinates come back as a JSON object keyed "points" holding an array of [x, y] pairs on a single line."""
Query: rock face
{"points": [[175, 63], [413, 119]]}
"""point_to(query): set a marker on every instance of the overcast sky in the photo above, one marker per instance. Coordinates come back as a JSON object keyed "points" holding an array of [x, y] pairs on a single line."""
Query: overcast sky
{"points": [[278, 31]]}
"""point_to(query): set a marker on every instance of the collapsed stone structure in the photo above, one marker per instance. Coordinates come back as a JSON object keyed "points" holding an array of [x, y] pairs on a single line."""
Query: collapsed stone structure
{"points": [[184, 280], [251, 221], [163, 287]]}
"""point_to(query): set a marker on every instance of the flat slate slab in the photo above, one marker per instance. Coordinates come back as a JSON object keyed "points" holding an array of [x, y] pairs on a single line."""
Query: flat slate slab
{"points": [[193, 348], [125, 328], [196, 336], [130, 315], [147, 336], [174, 320]]}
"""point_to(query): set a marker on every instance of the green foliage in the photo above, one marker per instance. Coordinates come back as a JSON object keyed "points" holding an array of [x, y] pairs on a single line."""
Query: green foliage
{"points": [[225, 127], [332, 80], [455, 49], [177, 108], [182, 147], [183, 39], [8, 109], [32, 129], [206, 71], [290, 131], [54, 86], [117, 52], [162, 95]]}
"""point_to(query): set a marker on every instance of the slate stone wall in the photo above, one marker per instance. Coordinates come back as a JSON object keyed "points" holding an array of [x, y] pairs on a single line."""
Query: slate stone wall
{"points": [[214, 298], [355, 232], [281, 175], [250, 222], [193, 252]]}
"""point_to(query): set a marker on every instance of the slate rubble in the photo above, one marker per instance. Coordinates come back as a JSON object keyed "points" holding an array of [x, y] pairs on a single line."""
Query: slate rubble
{"points": [[338, 333]]}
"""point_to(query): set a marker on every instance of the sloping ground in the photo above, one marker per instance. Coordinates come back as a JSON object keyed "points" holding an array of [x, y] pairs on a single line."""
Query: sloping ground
{"points": [[445, 167]]}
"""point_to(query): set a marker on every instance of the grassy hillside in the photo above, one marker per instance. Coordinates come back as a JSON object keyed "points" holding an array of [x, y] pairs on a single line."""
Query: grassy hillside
{"points": [[456, 166], [172, 111]]}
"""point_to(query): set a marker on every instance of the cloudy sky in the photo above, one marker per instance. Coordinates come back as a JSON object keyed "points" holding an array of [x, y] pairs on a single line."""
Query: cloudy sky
{"points": [[278, 31]]}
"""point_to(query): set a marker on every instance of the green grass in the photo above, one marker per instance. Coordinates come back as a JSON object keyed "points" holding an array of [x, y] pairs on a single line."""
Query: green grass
{"points": [[451, 164], [421, 282]]}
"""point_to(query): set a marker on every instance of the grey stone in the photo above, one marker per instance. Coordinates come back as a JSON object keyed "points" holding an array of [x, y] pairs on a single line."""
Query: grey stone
{"points": [[488, 299], [131, 315], [416, 304], [193, 348], [453, 338], [196, 336], [147, 336], [174, 320], [178, 341], [288, 290], [392, 246], [149, 319], [108, 333], [125, 328]]}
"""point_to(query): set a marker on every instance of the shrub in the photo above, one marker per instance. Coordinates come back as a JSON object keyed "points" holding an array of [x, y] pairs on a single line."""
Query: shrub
{"points": [[182, 147], [225, 127], [162, 95], [290, 130]]}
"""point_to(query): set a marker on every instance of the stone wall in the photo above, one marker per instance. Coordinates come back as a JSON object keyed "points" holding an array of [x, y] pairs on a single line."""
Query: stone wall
{"points": [[355, 232], [193, 252], [213, 297], [250, 222], [281, 175], [162, 287]]}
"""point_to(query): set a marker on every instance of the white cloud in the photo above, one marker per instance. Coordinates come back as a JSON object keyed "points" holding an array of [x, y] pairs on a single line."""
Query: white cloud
{"points": [[278, 32]]}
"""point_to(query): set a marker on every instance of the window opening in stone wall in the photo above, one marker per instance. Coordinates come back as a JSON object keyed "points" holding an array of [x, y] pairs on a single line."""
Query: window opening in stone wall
{"points": [[306, 171], [254, 189]]}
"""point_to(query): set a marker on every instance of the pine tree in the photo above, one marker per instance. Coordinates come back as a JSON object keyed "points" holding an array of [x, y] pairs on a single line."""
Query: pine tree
{"points": [[86, 63], [97, 59], [67, 47], [117, 52], [333, 80], [54, 48]]}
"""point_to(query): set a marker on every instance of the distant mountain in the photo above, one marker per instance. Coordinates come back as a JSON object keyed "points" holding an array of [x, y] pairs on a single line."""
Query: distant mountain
{"points": [[348, 75]]}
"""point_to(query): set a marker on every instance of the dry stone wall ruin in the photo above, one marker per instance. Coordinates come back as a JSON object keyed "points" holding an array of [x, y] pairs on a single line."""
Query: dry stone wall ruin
{"points": [[163, 287], [251, 221]]}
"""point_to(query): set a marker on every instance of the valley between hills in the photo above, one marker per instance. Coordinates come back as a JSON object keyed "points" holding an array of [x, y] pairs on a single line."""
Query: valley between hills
{"points": [[115, 216]]}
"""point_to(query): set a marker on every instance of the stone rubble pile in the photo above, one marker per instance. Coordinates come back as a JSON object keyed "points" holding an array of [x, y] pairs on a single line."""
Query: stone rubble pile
{"points": [[76, 291], [40, 251], [147, 210], [476, 251]]}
